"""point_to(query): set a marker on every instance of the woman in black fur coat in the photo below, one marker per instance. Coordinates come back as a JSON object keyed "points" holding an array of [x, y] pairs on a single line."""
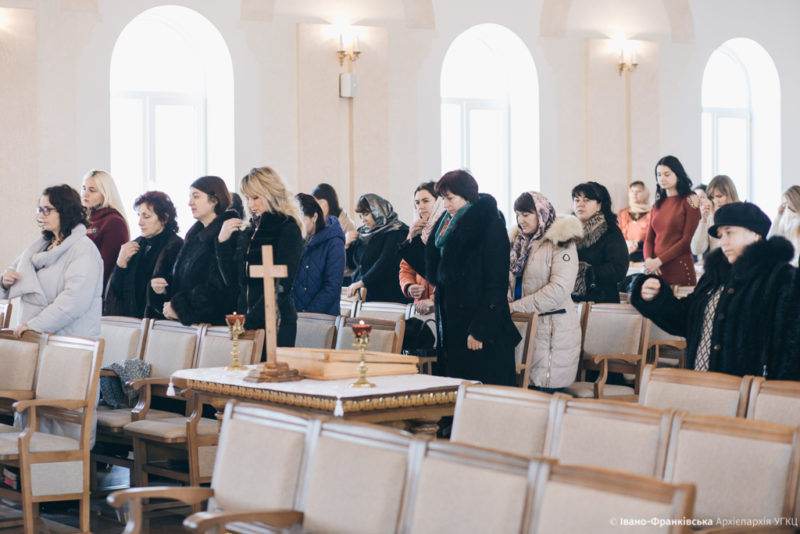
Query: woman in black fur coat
{"points": [[741, 318]]}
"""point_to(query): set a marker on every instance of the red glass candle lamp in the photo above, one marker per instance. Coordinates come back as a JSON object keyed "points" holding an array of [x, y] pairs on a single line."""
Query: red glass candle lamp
{"points": [[361, 332], [235, 323]]}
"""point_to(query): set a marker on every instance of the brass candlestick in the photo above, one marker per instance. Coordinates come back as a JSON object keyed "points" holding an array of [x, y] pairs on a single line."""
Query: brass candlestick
{"points": [[236, 326], [361, 332]]}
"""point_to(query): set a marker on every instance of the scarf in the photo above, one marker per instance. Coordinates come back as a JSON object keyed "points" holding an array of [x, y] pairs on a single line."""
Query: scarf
{"points": [[523, 244], [593, 230], [637, 211], [384, 215], [447, 224], [438, 209]]}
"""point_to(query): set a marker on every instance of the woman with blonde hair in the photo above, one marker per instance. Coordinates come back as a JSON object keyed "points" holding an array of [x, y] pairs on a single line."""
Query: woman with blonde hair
{"points": [[787, 223], [109, 228], [720, 191], [276, 221]]}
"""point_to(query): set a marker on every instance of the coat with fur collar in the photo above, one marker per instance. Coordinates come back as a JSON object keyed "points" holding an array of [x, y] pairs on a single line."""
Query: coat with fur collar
{"points": [[756, 318], [471, 279], [547, 283]]}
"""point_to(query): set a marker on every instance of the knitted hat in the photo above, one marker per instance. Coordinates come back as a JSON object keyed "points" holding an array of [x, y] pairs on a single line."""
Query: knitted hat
{"points": [[742, 214]]}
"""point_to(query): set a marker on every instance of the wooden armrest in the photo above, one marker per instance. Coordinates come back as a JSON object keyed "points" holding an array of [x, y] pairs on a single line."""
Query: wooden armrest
{"points": [[16, 394], [66, 404], [630, 358], [203, 521], [139, 383], [188, 495], [107, 372]]}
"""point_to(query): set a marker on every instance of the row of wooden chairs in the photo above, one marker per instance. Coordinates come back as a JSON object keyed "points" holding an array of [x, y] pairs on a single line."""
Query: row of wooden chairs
{"points": [[741, 467], [278, 468], [52, 380], [321, 331]]}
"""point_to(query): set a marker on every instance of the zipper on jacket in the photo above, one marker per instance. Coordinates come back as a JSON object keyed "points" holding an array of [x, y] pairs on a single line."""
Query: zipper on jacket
{"points": [[549, 357]]}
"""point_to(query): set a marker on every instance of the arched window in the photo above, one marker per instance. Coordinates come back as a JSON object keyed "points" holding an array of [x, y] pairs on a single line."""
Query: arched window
{"points": [[741, 121], [490, 112], [171, 106]]}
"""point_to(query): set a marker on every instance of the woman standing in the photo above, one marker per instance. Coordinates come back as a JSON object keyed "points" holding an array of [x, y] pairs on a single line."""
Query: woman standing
{"points": [[720, 191], [373, 254], [318, 284], [787, 223], [667, 248], [467, 259], [151, 255], [59, 277], [276, 221], [635, 220], [602, 252], [544, 265], [109, 229], [412, 283], [197, 292], [329, 202]]}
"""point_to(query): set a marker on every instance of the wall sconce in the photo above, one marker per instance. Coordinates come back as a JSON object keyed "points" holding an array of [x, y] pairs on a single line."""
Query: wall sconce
{"points": [[351, 54], [628, 58]]}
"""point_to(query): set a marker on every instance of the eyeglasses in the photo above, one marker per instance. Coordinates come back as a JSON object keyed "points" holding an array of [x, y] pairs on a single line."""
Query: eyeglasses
{"points": [[45, 211]]}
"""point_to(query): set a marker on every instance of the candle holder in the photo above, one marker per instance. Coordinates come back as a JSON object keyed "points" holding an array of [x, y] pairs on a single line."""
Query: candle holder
{"points": [[235, 324], [361, 332]]}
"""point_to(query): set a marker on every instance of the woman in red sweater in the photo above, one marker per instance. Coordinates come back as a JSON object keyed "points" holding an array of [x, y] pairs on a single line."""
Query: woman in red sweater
{"points": [[109, 230], [667, 247]]}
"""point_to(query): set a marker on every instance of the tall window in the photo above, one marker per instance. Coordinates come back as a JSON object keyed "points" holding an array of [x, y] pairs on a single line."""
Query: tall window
{"points": [[741, 121], [171, 106], [490, 112]]}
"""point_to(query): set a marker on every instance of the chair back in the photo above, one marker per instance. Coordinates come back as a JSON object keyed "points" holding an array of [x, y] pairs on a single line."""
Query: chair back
{"points": [[316, 330], [19, 359], [697, 392], [385, 310], [659, 340], [348, 306], [614, 329], [777, 401], [741, 467], [216, 346], [523, 353], [124, 336], [356, 479], [571, 498], [457, 488], [5, 313], [503, 418], [260, 458], [610, 434], [171, 346], [386, 335]]}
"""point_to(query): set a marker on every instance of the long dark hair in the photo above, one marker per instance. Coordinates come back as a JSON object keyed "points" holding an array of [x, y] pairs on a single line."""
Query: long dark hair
{"points": [[309, 206], [684, 185], [328, 193], [71, 211], [597, 192]]}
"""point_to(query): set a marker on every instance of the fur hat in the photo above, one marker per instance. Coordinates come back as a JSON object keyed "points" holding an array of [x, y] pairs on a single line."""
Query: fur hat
{"points": [[742, 214]]}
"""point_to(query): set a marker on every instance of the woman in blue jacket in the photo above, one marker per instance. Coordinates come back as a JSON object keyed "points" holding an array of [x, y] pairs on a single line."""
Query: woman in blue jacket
{"points": [[318, 283]]}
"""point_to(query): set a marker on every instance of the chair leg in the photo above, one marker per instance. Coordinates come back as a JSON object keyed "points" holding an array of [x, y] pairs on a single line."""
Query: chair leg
{"points": [[92, 475], [85, 513], [140, 477]]}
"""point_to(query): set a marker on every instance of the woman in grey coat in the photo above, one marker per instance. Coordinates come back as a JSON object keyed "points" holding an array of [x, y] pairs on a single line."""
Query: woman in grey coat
{"points": [[59, 278]]}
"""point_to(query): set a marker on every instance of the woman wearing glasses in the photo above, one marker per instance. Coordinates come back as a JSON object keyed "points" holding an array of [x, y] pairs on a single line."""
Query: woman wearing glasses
{"points": [[59, 277]]}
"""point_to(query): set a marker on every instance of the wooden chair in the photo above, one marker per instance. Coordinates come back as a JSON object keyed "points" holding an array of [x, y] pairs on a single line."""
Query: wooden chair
{"points": [[386, 335], [777, 401], [348, 306], [610, 434], [261, 462], [19, 359], [316, 330], [523, 353], [741, 467], [675, 346], [5, 313], [697, 392], [55, 467], [457, 488], [571, 498], [385, 310], [503, 418], [615, 340], [354, 483], [124, 338]]}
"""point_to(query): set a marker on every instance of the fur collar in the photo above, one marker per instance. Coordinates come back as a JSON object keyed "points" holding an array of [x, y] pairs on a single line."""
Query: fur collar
{"points": [[760, 257], [564, 230], [210, 232], [593, 230]]}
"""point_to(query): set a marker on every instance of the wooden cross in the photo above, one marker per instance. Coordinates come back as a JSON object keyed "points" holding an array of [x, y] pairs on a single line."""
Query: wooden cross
{"points": [[269, 272]]}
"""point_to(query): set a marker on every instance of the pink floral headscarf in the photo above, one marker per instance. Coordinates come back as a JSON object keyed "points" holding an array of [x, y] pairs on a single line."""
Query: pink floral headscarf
{"points": [[522, 244]]}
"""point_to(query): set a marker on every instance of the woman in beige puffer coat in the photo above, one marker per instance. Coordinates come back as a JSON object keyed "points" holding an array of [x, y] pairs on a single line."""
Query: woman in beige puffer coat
{"points": [[544, 264]]}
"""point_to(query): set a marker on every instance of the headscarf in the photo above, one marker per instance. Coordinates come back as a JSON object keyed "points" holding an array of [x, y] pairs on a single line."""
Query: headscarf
{"points": [[384, 215], [438, 209], [523, 244]]}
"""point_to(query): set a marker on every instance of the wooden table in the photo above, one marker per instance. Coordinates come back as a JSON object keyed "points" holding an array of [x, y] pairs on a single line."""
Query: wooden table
{"points": [[414, 402]]}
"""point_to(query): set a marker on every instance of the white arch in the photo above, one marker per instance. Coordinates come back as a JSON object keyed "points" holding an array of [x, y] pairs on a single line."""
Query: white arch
{"points": [[490, 111]]}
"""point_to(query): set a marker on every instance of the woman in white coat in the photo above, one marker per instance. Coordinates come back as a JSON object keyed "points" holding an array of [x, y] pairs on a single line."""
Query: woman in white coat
{"points": [[543, 268], [59, 278]]}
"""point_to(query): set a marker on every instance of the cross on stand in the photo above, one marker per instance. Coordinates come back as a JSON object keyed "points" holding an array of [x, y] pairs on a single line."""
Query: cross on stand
{"points": [[271, 371]]}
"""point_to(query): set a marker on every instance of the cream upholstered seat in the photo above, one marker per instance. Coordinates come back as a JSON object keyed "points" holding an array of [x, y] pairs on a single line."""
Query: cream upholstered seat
{"points": [[777, 401], [316, 330], [19, 358], [260, 465], [124, 338], [348, 306], [216, 345], [610, 434], [526, 323], [458, 488], [697, 392], [503, 418], [741, 467], [674, 345], [5, 313], [569, 498], [55, 466], [385, 310], [386, 335]]}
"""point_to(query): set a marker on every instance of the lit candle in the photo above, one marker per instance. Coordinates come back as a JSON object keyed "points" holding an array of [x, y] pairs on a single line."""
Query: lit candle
{"points": [[360, 329], [355, 44]]}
